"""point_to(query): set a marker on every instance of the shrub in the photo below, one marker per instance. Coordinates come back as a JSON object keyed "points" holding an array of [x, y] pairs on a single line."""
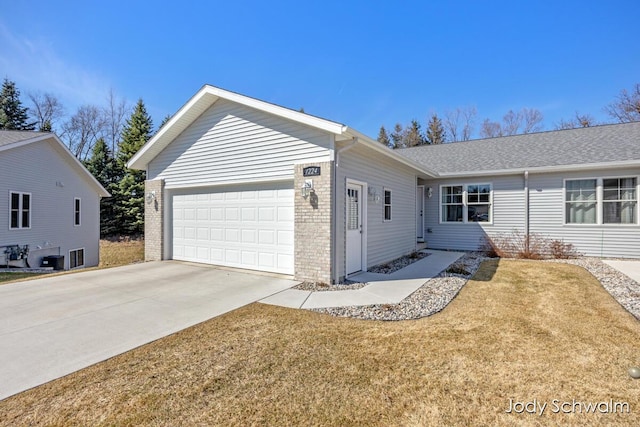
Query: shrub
{"points": [[533, 246]]}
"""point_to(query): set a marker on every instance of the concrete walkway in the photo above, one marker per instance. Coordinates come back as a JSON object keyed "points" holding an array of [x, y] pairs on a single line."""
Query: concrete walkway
{"points": [[381, 289], [629, 268]]}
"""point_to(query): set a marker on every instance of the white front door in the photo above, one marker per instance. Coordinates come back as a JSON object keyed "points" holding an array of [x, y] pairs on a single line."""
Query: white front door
{"points": [[354, 228], [420, 213]]}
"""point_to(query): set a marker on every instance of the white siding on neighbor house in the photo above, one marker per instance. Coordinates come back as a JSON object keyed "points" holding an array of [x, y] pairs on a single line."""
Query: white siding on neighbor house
{"points": [[547, 217], [508, 214], [231, 143], [386, 240], [54, 184]]}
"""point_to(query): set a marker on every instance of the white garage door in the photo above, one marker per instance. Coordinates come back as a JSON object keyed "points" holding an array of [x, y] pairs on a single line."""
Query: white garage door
{"points": [[244, 227]]}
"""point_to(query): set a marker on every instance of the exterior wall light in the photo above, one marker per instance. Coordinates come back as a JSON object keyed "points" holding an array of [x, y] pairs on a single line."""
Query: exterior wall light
{"points": [[429, 192], [307, 188], [150, 196]]}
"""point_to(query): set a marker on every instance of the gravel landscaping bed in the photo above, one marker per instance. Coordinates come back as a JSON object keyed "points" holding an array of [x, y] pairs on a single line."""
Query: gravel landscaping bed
{"points": [[621, 287], [438, 292], [429, 299]]}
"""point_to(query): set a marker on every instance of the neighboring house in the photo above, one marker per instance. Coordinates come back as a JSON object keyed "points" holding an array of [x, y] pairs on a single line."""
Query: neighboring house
{"points": [[240, 182], [48, 200]]}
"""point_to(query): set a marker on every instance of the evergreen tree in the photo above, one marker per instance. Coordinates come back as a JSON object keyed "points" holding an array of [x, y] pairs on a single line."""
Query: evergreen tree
{"points": [[104, 167], [435, 131], [13, 116], [137, 131], [414, 136], [383, 137], [397, 136]]}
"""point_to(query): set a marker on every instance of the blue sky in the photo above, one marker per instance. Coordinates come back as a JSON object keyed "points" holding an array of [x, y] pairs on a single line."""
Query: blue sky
{"points": [[360, 63]]}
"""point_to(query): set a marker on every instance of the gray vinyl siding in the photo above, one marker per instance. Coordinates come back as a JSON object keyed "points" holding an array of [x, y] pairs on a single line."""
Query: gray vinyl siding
{"points": [[547, 217], [54, 183], [508, 214], [231, 143], [386, 240]]}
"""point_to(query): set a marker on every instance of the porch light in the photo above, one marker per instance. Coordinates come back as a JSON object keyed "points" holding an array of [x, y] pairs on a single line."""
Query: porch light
{"points": [[429, 192], [307, 188], [150, 196]]}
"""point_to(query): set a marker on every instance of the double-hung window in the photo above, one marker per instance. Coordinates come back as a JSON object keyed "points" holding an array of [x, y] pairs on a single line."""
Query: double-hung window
{"points": [[581, 202], [76, 211], [466, 203], [19, 210], [387, 205], [619, 201], [601, 201]]}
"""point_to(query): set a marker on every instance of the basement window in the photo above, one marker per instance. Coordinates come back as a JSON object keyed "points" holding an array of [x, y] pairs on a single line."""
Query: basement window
{"points": [[76, 258]]}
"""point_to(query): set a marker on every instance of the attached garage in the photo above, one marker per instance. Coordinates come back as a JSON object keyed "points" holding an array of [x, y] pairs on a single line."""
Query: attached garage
{"points": [[239, 226]]}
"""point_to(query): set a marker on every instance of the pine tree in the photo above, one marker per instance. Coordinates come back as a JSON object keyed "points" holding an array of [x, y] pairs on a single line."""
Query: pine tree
{"points": [[435, 131], [137, 131], [383, 137], [414, 135], [13, 116], [397, 136], [104, 167]]}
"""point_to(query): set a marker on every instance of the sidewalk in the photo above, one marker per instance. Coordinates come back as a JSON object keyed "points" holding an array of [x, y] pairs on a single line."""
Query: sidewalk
{"points": [[381, 288]]}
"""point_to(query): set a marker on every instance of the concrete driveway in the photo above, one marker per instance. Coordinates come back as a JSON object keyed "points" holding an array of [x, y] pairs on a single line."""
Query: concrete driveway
{"points": [[53, 326]]}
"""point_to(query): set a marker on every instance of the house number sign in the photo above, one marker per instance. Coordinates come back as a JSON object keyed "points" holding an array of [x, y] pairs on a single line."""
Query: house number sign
{"points": [[311, 171]]}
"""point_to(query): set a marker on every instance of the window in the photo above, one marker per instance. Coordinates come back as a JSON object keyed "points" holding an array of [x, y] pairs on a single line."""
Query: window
{"points": [[601, 201], [466, 203], [619, 201], [452, 203], [76, 211], [478, 203], [76, 258], [387, 205], [581, 201], [20, 210]]}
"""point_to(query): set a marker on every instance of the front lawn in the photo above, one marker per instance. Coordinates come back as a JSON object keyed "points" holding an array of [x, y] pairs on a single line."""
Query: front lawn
{"points": [[12, 277], [520, 330]]}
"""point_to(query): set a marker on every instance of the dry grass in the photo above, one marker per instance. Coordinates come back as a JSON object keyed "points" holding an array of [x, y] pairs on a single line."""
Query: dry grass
{"points": [[121, 252], [523, 331], [16, 277]]}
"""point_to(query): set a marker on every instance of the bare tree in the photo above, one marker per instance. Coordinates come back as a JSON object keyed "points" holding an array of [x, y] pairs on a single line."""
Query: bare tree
{"points": [[491, 129], [579, 121], [46, 110], [83, 129], [459, 123], [526, 120], [114, 114], [627, 106], [532, 120]]}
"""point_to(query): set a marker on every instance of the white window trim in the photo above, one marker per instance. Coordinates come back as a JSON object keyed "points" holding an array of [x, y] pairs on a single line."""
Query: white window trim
{"points": [[384, 205], [20, 193], [77, 200], [465, 203], [83, 258], [599, 202]]}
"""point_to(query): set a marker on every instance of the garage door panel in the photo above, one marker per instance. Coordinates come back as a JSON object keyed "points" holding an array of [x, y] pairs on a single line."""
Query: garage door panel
{"points": [[246, 227]]}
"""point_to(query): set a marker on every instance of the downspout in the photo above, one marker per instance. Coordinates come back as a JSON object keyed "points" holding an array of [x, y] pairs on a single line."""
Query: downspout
{"points": [[334, 216], [526, 211]]}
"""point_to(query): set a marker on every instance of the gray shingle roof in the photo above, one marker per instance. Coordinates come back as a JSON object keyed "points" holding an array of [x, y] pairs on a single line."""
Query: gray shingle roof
{"points": [[8, 137], [572, 147]]}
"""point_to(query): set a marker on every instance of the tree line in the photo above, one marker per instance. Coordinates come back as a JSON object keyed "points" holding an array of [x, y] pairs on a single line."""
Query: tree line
{"points": [[103, 138], [460, 123]]}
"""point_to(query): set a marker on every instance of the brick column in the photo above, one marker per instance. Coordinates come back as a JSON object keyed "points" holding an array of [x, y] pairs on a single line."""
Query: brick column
{"points": [[153, 221], [312, 232]]}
